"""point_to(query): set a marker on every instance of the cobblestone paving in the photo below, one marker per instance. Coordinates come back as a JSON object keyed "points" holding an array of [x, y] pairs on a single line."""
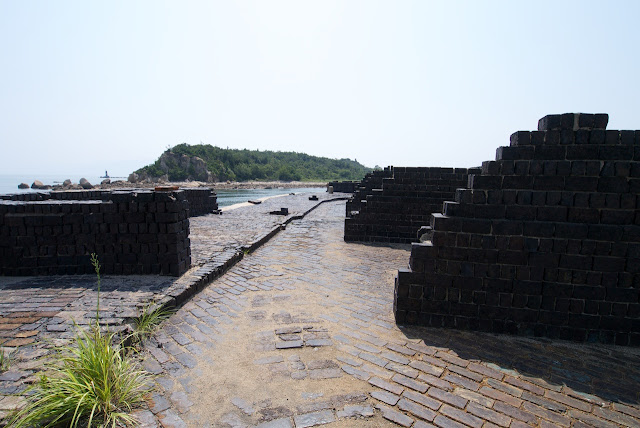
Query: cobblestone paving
{"points": [[300, 333], [38, 313], [243, 225]]}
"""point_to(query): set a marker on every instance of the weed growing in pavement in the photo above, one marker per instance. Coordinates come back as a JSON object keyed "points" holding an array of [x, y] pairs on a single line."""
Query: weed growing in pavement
{"points": [[147, 322], [94, 382], [5, 360]]}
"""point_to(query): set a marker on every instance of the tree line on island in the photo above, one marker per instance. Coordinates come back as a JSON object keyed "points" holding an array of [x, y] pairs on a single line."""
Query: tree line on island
{"points": [[204, 162]]}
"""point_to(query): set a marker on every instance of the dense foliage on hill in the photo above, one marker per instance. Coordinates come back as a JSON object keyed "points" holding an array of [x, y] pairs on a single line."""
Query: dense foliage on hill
{"points": [[244, 165]]}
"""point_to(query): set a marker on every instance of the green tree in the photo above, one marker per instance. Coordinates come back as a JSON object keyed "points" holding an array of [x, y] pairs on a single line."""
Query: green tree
{"points": [[232, 164]]}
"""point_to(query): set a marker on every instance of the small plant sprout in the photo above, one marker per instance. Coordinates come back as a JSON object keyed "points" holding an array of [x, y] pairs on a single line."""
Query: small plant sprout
{"points": [[146, 323], [96, 267], [5, 359]]}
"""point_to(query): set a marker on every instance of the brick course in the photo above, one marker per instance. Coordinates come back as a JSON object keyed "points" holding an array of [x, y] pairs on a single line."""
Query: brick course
{"points": [[201, 200], [132, 232], [343, 186], [545, 241], [371, 181], [392, 205]]}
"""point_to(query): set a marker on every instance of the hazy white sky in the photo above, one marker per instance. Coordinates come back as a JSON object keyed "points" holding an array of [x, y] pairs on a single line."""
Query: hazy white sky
{"points": [[89, 86]]}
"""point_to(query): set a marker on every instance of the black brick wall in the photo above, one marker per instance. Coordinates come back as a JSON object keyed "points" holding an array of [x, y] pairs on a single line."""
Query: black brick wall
{"points": [[391, 205], [343, 186], [133, 232], [201, 200], [371, 181], [545, 241]]}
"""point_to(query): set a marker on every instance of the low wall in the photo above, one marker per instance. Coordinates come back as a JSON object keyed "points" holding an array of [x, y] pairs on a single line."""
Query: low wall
{"points": [[544, 242], [134, 232], [343, 186], [202, 200], [396, 211]]}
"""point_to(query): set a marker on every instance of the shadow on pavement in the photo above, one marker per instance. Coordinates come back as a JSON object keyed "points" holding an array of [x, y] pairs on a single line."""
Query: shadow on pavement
{"points": [[606, 371]]}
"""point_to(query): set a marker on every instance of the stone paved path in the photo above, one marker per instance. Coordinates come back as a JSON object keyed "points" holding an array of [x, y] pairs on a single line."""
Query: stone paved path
{"points": [[300, 333], [37, 313]]}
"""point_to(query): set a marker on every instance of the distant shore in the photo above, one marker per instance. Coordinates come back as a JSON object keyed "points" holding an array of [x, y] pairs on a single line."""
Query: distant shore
{"points": [[224, 185], [8, 186]]}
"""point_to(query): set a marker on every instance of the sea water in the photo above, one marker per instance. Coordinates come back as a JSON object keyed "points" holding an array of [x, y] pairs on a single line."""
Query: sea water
{"points": [[226, 197], [236, 196]]}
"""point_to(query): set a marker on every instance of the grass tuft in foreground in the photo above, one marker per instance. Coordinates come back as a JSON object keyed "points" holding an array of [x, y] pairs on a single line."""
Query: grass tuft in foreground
{"points": [[94, 382]]}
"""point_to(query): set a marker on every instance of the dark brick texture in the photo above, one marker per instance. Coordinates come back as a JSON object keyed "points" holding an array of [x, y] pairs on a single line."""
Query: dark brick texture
{"points": [[343, 186], [391, 205], [545, 241], [132, 232]]}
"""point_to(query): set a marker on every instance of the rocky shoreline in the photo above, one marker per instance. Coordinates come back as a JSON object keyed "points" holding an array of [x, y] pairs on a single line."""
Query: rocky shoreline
{"points": [[122, 184]]}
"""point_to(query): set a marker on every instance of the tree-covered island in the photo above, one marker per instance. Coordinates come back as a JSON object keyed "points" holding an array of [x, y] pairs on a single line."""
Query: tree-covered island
{"points": [[204, 162]]}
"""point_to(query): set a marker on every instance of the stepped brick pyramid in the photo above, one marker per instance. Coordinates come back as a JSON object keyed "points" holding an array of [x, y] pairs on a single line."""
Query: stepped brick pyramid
{"points": [[545, 242], [371, 181], [405, 201]]}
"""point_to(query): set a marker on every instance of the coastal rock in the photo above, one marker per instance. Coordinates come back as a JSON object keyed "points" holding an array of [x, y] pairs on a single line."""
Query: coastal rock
{"points": [[66, 183], [106, 181], [190, 168], [37, 184], [133, 178], [85, 183], [23, 186]]}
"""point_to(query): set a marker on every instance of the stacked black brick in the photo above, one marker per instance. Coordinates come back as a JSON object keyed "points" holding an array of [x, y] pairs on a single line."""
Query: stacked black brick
{"points": [[80, 195], [66, 195], [343, 186], [201, 200], [141, 232], [405, 203], [545, 242], [371, 181]]}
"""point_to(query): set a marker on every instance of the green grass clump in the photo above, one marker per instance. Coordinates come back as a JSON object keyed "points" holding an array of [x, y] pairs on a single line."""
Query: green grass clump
{"points": [[93, 382], [147, 322]]}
